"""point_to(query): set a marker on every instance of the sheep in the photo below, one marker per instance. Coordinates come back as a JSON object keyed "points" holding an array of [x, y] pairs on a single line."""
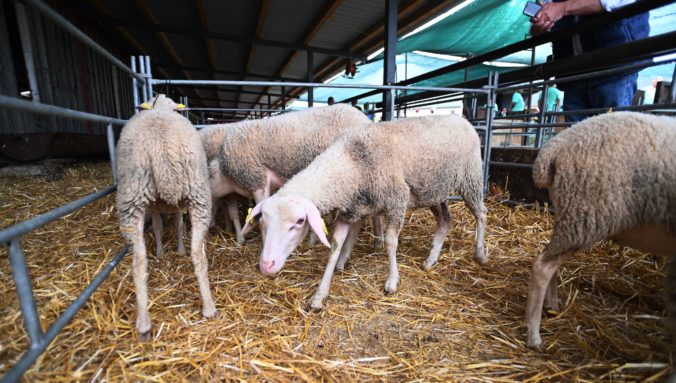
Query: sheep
{"points": [[256, 157], [161, 167], [611, 176], [383, 168]]}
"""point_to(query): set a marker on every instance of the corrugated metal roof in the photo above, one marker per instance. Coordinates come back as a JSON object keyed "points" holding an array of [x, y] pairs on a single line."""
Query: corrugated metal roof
{"points": [[246, 39]]}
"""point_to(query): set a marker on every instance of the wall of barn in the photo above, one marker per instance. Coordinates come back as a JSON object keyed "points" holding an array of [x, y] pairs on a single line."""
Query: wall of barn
{"points": [[68, 74]]}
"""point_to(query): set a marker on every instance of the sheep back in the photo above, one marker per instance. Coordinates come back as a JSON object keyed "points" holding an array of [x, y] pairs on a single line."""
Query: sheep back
{"points": [[608, 174], [285, 144], [415, 162], [161, 163]]}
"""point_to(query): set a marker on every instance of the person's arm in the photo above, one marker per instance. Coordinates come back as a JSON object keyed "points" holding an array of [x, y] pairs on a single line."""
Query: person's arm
{"points": [[550, 13]]}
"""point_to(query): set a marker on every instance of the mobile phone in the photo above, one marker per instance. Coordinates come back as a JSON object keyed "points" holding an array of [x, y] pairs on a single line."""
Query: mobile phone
{"points": [[531, 9]]}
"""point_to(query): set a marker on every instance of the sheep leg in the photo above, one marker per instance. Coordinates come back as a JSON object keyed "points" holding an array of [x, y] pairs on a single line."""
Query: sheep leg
{"points": [[199, 260], [139, 267], [551, 296], [476, 205], [377, 222], [544, 268], [228, 220], [157, 230], [392, 230], [259, 196], [180, 232], [214, 210], [339, 235], [312, 238], [233, 215], [346, 250], [443, 217]]}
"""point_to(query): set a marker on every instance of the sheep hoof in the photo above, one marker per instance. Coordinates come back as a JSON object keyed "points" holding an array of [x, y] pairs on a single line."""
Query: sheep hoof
{"points": [[180, 251], [481, 256], [427, 266], [535, 343], [391, 286], [144, 336], [316, 304], [240, 240], [340, 266], [159, 253], [379, 244], [209, 312]]}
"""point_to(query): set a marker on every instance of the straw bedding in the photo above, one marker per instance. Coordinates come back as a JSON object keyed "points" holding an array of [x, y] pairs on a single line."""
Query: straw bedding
{"points": [[458, 322]]}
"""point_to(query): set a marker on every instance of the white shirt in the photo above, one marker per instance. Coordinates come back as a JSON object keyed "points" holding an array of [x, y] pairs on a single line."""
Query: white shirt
{"points": [[611, 5]]}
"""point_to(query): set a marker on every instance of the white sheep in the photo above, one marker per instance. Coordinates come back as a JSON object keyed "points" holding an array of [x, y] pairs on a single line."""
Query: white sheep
{"points": [[383, 168], [256, 157], [609, 177], [161, 167]]}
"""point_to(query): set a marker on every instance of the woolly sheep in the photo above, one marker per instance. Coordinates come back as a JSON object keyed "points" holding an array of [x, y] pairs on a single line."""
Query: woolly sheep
{"points": [[609, 177], [161, 167], [382, 169], [256, 157]]}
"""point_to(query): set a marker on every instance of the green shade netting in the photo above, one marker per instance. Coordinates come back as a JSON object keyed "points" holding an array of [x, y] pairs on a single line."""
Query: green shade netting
{"points": [[479, 27], [408, 65]]}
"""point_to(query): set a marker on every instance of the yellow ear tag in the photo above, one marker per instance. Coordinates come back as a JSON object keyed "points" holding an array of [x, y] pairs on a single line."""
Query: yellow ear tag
{"points": [[326, 231], [180, 106], [145, 106], [249, 218]]}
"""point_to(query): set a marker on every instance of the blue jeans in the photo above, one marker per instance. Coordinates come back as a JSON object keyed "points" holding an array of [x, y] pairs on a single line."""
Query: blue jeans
{"points": [[607, 92]]}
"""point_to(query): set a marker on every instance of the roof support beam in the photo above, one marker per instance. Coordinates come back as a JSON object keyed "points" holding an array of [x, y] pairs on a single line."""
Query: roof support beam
{"points": [[390, 72], [202, 15], [228, 37]]}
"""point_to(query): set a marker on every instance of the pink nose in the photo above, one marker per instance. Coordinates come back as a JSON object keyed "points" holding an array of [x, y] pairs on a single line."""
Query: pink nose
{"points": [[266, 266]]}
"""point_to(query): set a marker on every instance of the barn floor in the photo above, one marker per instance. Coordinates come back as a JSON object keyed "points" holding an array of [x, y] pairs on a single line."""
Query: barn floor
{"points": [[457, 322]]}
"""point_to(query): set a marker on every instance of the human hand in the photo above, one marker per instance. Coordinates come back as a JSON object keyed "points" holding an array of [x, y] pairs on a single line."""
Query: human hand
{"points": [[547, 16]]}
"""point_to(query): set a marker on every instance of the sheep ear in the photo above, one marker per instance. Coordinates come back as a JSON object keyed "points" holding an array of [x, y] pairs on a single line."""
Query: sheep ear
{"points": [[251, 220], [145, 106], [316, 222]]}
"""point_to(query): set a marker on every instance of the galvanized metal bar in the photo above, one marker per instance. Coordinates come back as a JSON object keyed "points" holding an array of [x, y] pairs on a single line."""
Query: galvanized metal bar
{"points": [[27, 46], [144, 88], [149, 76], [672, 93], [543, 112], [24, 290], [390, 63], [79, 35], [511, 164], [51, 110], [588, 75], [230, 109], [315, 85], [492, 85], [25, 227], [310, 77], [532, 126], [32, 354], [111, 152], [134, 85]]}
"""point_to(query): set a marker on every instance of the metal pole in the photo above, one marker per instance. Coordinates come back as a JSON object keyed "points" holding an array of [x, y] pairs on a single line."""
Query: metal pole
{"points": [[26, 227], [25, 292], [283, 98], [142, 69], [390, 64], [111, 152], [134, 85], [310, 78], [26, 44], [33, 353], [149, 77], [493, 84], [79, 35], [672, 93], [51, 110], [538, 132]]}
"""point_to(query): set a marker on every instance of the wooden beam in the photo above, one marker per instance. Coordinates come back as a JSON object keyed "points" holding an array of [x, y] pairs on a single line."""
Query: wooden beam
{"points": [[324, 15], [202, 15], [262, 14]]}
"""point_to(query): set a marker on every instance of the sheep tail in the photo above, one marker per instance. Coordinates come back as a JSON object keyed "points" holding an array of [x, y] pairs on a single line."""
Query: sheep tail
{"points": [[544, 167]]}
